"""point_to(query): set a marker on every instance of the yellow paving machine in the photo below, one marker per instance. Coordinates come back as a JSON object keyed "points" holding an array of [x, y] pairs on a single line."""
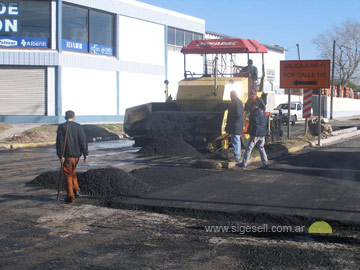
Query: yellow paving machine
{"points": [[202, 101]]}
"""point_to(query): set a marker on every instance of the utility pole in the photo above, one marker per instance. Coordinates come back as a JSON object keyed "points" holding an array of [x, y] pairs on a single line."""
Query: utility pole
{"points": [[332, 83]]}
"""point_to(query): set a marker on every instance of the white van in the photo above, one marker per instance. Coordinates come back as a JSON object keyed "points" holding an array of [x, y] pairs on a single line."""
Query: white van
{"points": [[296, 110]]}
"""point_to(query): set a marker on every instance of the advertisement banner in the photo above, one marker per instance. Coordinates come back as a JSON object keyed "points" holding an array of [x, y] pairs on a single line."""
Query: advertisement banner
{"points": [[24, 42], [101, 49], [74, 45]]}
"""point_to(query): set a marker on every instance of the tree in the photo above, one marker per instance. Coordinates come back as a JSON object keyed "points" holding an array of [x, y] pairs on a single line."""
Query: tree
{"points": [[347, 51]]}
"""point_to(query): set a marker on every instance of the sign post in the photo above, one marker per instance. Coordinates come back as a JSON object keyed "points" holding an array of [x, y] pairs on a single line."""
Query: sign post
{"points": [[312, 74]]}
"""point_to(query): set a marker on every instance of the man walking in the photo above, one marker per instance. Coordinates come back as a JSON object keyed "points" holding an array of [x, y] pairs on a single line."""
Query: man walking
{"points": [[235, 123], [257, 131], [71, 144]]}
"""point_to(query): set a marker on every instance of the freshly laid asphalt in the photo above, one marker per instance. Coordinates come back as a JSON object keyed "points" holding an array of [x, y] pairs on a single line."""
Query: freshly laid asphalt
{"points": [[323, 183]]}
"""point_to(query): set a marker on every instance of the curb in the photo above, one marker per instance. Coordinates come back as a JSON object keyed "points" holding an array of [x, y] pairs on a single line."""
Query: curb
{"points": [[5, 146], [335, 137], [24, 145]]}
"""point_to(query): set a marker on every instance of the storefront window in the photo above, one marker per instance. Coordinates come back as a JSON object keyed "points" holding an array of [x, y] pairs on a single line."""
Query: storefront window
{"points": [[25, 24], [101, 33], [87, 30], [75, 28]]}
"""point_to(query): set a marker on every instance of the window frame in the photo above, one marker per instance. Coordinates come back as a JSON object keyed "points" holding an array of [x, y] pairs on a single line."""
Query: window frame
{"points": [[113, 32], [174, 44]]}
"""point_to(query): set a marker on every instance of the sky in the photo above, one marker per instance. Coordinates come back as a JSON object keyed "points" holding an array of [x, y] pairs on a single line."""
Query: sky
{"points": [[271, 22]]}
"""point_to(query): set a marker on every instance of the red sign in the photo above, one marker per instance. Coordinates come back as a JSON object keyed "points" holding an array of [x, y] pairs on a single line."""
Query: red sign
{"points": [[305, 74]]}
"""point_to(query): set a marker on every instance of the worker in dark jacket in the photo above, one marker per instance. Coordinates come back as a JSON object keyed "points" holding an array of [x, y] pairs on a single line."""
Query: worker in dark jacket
{"points": [[73, 136], [235, 123], [257, 131]]}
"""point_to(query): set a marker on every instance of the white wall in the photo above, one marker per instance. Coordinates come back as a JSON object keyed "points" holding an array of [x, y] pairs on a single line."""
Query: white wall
{"points": [[137, 89], [343, 107], [273, 100], [88, 91], [272, 62], [51, 81], [141, 42]]}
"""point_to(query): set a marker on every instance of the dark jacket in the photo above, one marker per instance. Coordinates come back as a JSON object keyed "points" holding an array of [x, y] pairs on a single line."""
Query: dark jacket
{"points": [[235, 119], [257, 123], [76, 143]]}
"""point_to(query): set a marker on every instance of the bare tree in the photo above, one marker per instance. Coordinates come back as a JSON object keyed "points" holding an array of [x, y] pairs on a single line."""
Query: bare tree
{"points": [[347, 52]]}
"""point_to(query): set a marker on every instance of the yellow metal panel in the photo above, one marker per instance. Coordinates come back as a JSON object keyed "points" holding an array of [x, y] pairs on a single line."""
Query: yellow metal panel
{"points": [[203, 89]]}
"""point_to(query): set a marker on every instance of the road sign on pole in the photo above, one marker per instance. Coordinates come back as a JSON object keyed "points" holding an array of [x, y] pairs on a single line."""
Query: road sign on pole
{"points": [[305, 74]]}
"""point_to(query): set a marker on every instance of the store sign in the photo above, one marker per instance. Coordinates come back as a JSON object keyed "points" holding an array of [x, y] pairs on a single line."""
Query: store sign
{"points": [[10, 10], [74, 45], [100, 49], [24, 42]]}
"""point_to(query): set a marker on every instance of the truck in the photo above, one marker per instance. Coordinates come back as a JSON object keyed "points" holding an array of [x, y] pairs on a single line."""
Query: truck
{"points": [[200, 108]]}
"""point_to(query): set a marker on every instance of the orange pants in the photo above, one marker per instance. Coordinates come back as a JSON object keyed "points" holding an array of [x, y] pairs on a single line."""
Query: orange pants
{"points": [[71, 183]]}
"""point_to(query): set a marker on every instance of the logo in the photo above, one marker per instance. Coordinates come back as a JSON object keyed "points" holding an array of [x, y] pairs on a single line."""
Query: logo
{"points": [[211, 43], [95, 49], [8, 43], [320, 227], [23, 43], [74, 45]]}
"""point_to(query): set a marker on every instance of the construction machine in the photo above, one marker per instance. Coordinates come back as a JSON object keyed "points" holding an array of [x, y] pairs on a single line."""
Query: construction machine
{"points": [[200, 108]]}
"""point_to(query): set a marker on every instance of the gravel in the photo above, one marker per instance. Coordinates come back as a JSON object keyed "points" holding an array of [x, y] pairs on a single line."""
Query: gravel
{"points": [[105, 182], [168, 131]]}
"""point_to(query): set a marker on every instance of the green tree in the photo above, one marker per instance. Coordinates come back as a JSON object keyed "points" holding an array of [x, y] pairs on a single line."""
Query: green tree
{"points": [[347, 52]]}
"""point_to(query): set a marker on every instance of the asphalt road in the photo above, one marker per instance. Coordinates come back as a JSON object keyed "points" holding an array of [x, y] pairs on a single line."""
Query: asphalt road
{"points": [[187, 230]]}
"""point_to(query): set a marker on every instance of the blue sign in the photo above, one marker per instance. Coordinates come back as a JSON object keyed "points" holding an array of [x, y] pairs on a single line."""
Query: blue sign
{"points": [[25, 42], [74, 45], [101, 49]]}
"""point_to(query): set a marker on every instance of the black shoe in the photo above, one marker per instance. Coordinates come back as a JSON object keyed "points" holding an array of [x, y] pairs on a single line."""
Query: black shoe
{"points": [[241, 165], [237, 160], [77, 194], [69, 200]]}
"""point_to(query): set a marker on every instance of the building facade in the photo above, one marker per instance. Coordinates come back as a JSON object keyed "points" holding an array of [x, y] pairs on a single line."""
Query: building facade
{"points": [[92, 56]]}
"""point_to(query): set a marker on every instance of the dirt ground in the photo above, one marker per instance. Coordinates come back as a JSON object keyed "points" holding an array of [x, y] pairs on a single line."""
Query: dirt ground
{"points": [[35, 133], [36, 232]]}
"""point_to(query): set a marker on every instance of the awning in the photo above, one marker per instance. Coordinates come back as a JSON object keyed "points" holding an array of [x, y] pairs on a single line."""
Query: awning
{"points": [[223, 46]]}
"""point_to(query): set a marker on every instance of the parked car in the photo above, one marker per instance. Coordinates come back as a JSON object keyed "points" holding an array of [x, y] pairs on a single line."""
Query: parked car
{"points": [[296, 110]]}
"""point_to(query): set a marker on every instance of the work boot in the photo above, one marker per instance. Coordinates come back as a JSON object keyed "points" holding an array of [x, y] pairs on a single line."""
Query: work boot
{"points": [[77, 193], [69, 200]]}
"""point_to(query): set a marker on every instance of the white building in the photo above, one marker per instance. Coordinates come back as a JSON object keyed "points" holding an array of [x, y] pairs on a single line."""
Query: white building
{"points": [[95, 57]]}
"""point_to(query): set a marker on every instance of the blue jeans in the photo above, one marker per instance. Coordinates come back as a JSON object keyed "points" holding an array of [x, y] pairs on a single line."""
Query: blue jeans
{"points": [[257, 142], [236, 143]]}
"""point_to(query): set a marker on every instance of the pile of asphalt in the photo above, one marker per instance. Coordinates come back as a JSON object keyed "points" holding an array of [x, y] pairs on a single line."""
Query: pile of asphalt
{"points": [[105, 182], [112, 182], [168, 131], [169, 146]]}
